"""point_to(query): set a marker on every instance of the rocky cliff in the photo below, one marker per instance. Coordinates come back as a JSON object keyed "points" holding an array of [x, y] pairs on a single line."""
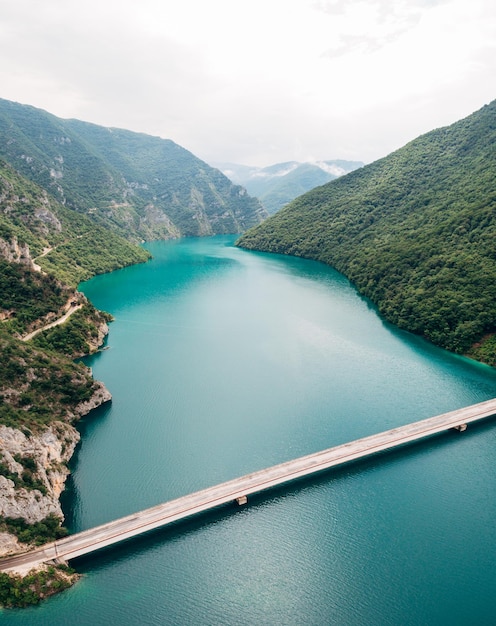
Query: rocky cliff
{"points": [[42, 392], [36, 468], [15, 252]]}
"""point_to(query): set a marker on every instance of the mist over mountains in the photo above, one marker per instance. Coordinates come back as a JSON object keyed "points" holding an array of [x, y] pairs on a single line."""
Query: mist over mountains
{"points": [[278, 184]]}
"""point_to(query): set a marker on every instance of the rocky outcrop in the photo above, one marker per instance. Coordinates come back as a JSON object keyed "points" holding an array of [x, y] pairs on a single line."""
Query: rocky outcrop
{"points": [[50, 451], [9, 544], [94, 343], [16, 252], [44, 456], [100, 396]]}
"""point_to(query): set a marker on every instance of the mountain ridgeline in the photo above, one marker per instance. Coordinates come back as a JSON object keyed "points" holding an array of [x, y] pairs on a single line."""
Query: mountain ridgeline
{"points": [[136, 185], [278, 184], [414, 231]]}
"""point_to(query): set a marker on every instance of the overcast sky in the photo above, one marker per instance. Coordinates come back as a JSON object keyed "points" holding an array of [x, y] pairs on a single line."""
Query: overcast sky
{"points": [[255, 81]]}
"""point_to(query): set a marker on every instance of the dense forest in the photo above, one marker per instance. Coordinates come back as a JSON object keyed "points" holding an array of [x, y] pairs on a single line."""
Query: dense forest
{"points": [[415, 232]]}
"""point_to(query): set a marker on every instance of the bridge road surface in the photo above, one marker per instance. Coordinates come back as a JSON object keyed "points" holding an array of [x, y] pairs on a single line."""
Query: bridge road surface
{"points": [[110, 533]]}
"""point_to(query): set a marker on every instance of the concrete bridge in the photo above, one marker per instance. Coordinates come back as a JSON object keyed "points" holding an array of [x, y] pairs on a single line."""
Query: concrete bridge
{"points": [[239, 489]]}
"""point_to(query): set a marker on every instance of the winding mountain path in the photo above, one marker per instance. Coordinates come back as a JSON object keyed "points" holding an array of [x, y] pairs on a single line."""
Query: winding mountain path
{"points": [[57, 322], [44, 253]]}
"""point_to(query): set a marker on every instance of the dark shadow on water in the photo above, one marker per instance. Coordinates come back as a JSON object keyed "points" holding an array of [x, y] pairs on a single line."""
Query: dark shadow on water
{"points": [[323, 273], [177, 531], [69, 496]]}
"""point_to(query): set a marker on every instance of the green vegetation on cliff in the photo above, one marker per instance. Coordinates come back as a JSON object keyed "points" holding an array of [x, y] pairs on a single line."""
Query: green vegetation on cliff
{"points": [[95, 252], [38, 387], [71, 246], [26, 296], [36, 534], [40, 384], [78, 336], [414, 232]]}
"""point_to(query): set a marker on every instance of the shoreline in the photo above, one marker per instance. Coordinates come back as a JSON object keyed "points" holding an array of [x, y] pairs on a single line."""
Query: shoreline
{"points": [[51, 450]]}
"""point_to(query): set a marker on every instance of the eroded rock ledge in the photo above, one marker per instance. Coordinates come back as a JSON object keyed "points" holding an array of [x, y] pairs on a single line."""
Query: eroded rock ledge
{"points": [[48, 453]]}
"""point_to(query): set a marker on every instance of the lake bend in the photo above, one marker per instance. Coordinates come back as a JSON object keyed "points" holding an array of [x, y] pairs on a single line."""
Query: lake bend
{"points": [[222, 362]]}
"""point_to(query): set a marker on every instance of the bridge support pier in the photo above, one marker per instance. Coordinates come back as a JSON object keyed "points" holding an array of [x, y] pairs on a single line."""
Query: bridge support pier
{"points": [[242, 500], [461, 428]]}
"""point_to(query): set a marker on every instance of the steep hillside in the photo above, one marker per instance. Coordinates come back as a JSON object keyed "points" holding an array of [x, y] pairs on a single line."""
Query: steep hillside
{"points": [[139, 186], [415, 232], [42, 392], [34, 228], [73, 198], [278, 184]]}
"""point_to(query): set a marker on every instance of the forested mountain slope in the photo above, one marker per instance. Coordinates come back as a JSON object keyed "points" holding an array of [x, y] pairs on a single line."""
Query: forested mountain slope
{"points": [[45, 250], [139, 186], [35, 227], [415, 232]]}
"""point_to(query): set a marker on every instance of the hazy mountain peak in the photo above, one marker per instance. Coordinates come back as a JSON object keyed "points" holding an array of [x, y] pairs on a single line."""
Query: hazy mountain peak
{"points": [[276, 185]]}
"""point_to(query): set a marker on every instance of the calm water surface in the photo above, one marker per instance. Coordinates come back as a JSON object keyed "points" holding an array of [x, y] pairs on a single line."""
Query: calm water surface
{"points": [[223, 361]]}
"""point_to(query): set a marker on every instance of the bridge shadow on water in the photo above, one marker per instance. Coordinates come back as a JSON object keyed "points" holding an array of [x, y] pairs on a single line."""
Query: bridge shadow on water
{"points": [[382, 461]]}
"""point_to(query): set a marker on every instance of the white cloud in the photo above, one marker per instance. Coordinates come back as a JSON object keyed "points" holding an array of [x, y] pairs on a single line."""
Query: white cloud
{"points": [[255, 82]]}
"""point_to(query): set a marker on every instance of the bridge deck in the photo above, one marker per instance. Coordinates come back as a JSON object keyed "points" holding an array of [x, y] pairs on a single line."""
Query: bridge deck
{"points": [[180, 508]]}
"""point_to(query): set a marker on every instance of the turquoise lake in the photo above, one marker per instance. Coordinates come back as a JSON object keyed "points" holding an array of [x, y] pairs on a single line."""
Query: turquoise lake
{"points": [[223, 361]]}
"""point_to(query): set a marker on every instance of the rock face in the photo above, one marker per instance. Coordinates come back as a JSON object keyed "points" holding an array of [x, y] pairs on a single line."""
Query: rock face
{"points": [[136, 185], [95, 343], [99, 397], [48, 453], [15, 252], [8, 544]]}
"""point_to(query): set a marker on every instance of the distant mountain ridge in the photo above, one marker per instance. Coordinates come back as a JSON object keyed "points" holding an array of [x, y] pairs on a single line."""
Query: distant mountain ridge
{"points": [[415, 232], [139, 186], [278, 184]]}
